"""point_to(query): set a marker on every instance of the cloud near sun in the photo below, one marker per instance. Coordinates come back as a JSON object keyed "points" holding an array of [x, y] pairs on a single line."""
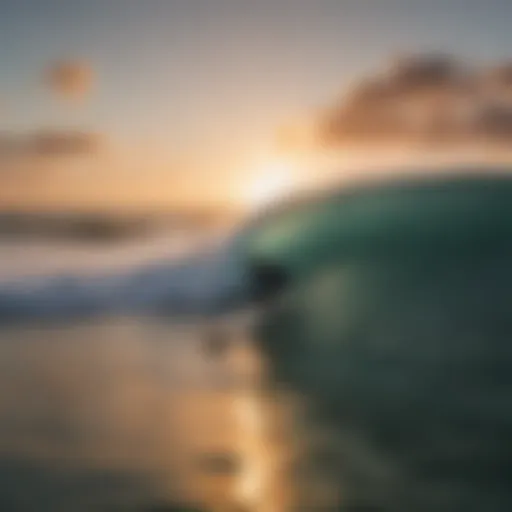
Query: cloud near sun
{"points": [[426, 99]]}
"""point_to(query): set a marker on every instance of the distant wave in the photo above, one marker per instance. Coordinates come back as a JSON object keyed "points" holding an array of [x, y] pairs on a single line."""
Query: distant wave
{"points": [[198, 283]]}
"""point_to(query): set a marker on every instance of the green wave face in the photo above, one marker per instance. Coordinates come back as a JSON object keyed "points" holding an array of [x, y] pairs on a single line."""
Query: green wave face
{"points": [[461, 214], [395, 329]]}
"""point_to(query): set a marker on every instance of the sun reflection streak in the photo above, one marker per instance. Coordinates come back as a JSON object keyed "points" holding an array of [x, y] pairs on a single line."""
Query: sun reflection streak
{"points": [[252, 488]]}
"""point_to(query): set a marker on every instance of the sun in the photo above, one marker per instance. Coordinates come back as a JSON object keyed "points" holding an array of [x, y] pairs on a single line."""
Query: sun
{"points": [[269, 182]]}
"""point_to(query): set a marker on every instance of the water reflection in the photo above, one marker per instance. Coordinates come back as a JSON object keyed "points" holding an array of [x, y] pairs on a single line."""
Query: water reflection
{"points": [[115, 414]]}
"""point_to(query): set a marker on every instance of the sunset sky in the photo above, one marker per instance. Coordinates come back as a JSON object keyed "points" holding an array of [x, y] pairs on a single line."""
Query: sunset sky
{"points": [[189, 94]]}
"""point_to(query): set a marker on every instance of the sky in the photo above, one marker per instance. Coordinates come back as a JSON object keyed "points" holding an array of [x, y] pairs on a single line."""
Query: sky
{"points": [[190, 93]]}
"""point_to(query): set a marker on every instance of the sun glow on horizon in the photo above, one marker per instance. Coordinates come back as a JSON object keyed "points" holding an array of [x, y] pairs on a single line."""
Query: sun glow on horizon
{"points": [[268, 183]]}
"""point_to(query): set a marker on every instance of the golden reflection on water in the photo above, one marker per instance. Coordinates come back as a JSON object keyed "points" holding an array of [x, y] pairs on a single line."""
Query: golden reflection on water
{"points": [[265, 445], [251, 487], [133, 400], [251, 482]]}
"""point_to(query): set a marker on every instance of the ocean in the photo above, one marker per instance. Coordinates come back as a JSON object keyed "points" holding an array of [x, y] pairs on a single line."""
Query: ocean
{"points": [[108, 399]]}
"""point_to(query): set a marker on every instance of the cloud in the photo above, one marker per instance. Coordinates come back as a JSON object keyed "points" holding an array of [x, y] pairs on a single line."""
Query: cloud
{"points": [[499, 79], [428, 73], [56, 143], [494, 122], [423, 99], [71, 79], [48, 145]]}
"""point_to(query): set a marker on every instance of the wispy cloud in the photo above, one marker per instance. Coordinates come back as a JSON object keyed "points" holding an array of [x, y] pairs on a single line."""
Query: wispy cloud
{"points": [[434, 99], [46, 146]]}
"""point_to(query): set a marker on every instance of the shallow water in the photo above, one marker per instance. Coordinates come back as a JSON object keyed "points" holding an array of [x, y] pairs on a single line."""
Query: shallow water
{"points": [[115, 414]]}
